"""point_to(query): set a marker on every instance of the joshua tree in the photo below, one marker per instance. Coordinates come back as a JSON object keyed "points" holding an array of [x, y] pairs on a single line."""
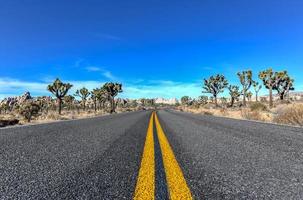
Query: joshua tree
{"points": [[29, 109], [185, 100], [95, 96], [234, 94], [112, 89], [249, 95], [83, 93], [202, 100], [246, 81], [215, 85], [257, 88], [279, 81], [283, 84], [69, 100], [59, 89], [267, 76]]}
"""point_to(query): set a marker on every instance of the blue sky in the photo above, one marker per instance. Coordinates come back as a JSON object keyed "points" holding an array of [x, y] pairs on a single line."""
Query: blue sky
{"points": [[156, 48]]}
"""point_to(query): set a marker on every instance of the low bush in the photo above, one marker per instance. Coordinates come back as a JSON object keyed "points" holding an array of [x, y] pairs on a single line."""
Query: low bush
{"points": [[258, 106], [290, 115]]}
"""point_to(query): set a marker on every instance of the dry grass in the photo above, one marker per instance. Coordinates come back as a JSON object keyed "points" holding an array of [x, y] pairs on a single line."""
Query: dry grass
{"points": [[290, 114], [258, 112], [52, 116], [258, 106], [252, 115]]}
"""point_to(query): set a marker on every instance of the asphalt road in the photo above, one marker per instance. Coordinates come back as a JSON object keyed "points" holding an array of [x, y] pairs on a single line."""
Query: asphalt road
{"points": [[100, 158]]}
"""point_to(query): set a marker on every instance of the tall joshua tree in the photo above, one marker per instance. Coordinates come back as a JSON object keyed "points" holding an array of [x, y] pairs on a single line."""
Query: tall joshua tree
{"points": [[59, 89], [246, 81], [95, 95], [83, 93], [267, 76], [234, 94], [257, 88], [215, 85], [283, 84], [112, 89]]}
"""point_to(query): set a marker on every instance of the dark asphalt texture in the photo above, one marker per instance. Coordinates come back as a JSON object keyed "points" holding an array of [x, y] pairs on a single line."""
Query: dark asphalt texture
{"points": [[234, 159], [99, 158], [96, 158]]}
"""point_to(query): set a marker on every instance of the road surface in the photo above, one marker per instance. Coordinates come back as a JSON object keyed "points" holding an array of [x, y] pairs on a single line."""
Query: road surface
{"points": [[147, 155]]}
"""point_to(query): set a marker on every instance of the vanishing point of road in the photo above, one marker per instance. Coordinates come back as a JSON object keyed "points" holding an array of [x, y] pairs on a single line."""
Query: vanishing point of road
{"points": [[152, 155]]}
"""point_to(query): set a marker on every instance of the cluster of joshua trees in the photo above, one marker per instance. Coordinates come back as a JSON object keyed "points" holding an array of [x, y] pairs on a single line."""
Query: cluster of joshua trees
{"points": [[99, 97], [106, 93], [279, 81]]}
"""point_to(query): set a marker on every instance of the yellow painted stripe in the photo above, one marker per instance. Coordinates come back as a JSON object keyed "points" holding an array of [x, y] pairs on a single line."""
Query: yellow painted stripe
{"points": [[177, 186], [145, 188]]}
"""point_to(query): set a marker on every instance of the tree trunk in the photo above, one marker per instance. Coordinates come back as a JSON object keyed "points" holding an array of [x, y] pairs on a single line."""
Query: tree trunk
{"points": [[59, 106], [232, 102], [29, 117], [216, 101], [256, 96], [113, 108], [83, 101], [270, 98], [244, 98]]}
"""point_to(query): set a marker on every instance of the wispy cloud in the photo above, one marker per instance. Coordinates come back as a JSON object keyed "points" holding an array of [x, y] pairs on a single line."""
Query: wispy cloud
{"points": [[107, 36], [93, 69], [79, 62], [106, 73], [109, 75]]}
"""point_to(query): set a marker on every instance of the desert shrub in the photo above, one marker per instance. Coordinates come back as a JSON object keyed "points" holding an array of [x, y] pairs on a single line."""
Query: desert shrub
{"points": [[251, 115], [258, 106], [290, 115], [29, 110], [207, 113]]}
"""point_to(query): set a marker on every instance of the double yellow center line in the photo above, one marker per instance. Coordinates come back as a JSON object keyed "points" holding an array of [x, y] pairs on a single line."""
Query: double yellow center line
{"points": [[176, 183]]}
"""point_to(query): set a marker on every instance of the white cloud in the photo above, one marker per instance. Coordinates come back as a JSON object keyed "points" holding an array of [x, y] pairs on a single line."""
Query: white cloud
{"points": [[165, 89], [93, 69], [14, 87], [107, 74], [154, 88]]}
